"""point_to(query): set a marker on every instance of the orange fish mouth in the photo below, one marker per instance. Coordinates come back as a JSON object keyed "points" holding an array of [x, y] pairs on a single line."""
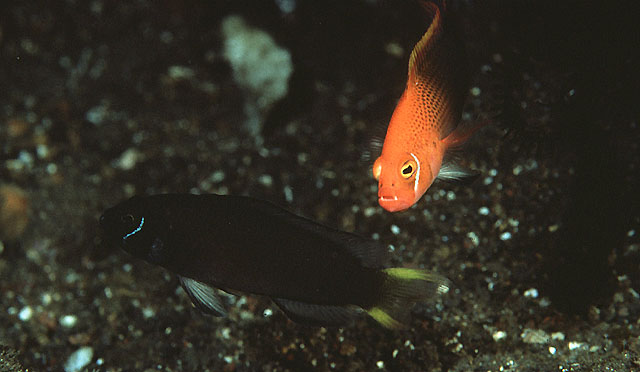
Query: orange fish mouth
{"points": [[392, 203]]}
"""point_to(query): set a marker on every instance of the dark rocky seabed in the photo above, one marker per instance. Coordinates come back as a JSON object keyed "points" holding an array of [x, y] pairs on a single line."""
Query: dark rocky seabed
{"points": [[543, 247]]}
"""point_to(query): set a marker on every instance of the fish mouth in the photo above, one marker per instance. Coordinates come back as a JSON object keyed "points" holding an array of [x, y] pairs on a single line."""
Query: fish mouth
{"points": [[392, 203]]}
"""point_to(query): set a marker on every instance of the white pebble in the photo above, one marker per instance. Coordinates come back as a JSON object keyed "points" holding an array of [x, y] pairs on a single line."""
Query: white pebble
{"points": [[534, 336], [266, 180], [395, 229], [79, 359], [483, 211], [552, 350], [68, 321], [557, 336], [499, 335], [531, 293], [288, 193], [217, 176], [148, 312], [181, 73], [380, 364], [474, 238], [505, 235], [517, 170], [26, 313], [475, 91], [575, 345], [128, 159], [267, 313]]}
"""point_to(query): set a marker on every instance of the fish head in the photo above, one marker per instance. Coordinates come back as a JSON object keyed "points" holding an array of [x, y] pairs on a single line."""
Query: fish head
{"points": [[138, 227], [399, 181]]}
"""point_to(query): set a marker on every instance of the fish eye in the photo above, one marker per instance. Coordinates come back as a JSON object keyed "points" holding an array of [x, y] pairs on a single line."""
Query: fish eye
{"points": [[127, 219], [408, 169]]}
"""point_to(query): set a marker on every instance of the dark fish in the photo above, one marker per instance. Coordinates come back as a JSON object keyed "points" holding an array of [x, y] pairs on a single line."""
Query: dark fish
{"points": [[315, 274]]}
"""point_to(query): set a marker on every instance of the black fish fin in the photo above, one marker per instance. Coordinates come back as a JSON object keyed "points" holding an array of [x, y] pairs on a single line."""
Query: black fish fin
{"points": [[370, 253], [316, 315], [452, 172], [401, 289], [203, 296]]}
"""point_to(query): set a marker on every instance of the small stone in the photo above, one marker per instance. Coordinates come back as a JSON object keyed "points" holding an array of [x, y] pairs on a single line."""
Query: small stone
{"points": [[68, 321], [505, 236], [575, 345], [534, 336], [181, 73], [79, 359], [394, 49], [266, 180], [395, 229], [559, 336], [128, 159], [531, 293], [483, 211], [499, 335], [26, 313]]}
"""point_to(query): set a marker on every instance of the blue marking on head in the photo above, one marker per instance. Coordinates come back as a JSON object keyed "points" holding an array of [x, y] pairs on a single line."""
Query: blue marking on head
{"points": [[136, 230]]}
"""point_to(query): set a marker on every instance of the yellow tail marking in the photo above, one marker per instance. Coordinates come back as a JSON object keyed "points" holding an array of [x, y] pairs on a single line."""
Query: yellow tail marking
{"points": [[383, 318]]}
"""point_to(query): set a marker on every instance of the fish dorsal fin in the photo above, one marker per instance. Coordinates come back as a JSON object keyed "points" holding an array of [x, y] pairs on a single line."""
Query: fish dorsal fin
{"points": [[372, 254], [437, 77], [203, 296], [421, 52], [316, 315]]}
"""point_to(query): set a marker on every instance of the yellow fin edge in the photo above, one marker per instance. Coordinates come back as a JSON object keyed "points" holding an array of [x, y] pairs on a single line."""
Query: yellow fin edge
{"points": [[383, 318]]}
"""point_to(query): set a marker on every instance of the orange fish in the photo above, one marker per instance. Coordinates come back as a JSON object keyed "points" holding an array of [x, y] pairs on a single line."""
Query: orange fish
{"points": [[424, 124]]}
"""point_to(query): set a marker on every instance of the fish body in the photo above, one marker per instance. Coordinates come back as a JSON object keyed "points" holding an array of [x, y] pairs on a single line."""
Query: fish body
{"points": [[424, 123], [314, 273]]}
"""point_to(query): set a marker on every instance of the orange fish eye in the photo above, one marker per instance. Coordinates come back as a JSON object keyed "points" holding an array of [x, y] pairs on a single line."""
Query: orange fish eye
{"points": [[377, 168], [408, 169]]}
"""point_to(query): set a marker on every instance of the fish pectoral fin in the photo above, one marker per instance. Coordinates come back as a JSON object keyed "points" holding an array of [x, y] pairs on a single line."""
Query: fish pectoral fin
{"points": [[203, 296], [316, 315], [451, 172]]}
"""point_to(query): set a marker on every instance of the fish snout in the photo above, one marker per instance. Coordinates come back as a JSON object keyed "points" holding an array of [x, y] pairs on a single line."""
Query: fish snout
{"points": [[389, 200]]}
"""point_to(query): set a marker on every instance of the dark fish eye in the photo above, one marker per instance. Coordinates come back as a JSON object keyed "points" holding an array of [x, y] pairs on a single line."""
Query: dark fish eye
{"points": [[127, 219], [407, 170]]}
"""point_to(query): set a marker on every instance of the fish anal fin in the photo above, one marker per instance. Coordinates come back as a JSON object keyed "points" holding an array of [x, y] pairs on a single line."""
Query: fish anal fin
{"points": [[203, 296], [316, 315]]}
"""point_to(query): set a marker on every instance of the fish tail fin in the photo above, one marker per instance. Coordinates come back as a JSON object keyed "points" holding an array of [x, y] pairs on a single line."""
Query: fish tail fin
{"points": [[401, 289]]}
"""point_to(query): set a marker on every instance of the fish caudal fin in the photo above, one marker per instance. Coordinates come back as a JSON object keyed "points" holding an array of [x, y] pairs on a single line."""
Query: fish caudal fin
{"points": [[402, 288]]}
